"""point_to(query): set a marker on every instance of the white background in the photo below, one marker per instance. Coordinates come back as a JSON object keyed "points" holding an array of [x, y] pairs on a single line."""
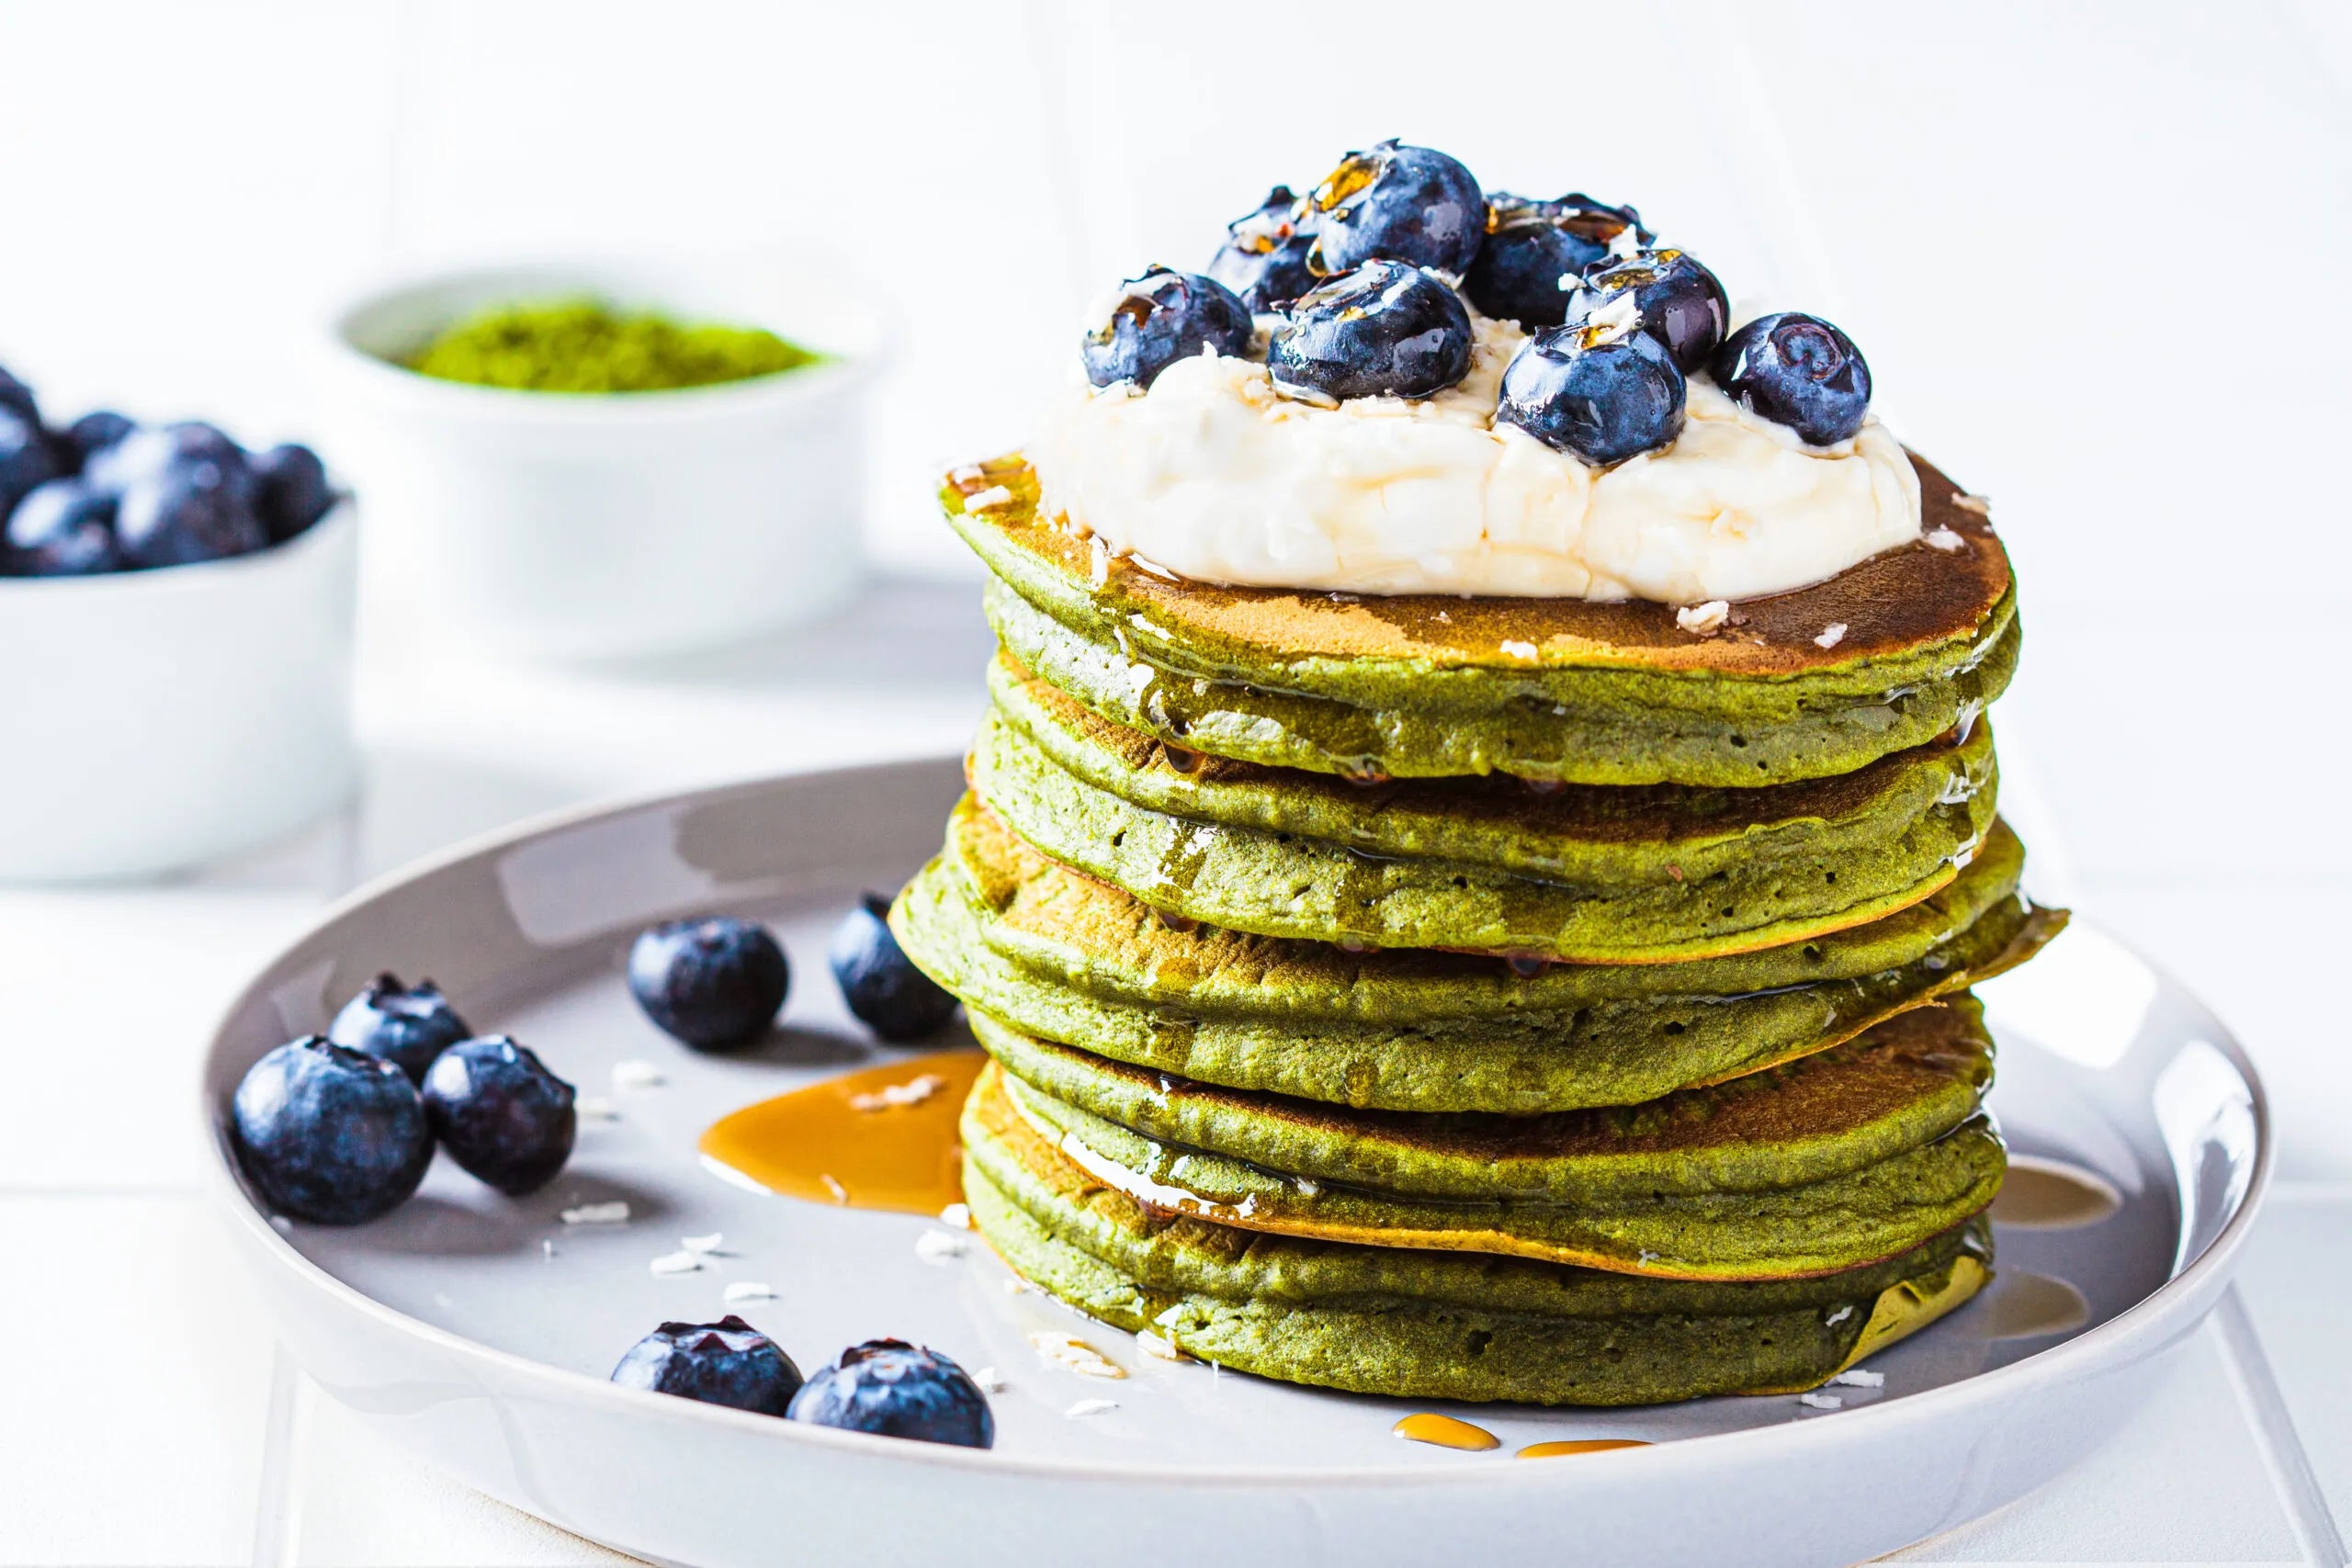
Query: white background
{"points": [[2096, 255]]}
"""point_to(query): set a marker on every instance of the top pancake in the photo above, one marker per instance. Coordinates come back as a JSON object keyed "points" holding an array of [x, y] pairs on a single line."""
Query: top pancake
{"points": [[1899, 602]]}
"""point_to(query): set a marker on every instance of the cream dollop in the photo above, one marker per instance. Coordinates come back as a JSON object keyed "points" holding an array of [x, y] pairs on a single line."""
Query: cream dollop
{"points": [[1213, 476]]}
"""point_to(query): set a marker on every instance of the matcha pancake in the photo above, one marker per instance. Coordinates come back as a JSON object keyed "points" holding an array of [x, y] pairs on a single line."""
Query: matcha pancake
{"points": [[1285, 885], [1433, 685], [1068, 959], [1435, 1324]]}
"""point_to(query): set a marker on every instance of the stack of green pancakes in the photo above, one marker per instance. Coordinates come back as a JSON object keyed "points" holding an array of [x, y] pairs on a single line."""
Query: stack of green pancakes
{"points": [[1483, 998]]}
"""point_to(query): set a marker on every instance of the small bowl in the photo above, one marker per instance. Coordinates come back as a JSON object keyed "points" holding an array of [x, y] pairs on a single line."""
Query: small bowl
{"points": [[611, 526], [159, 719]]}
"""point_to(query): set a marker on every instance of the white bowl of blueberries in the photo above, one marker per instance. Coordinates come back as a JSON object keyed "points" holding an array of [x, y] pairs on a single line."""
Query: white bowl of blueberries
{"points": [[176, 614]]}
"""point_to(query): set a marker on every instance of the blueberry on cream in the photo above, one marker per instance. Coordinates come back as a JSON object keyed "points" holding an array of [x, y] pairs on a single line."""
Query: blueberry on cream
{"points": [[1680, 303], [1601, 391], [1385, 329], [1799, 371], [1393, 202], [1264, 259], [1158, 319], [1535, 251]]}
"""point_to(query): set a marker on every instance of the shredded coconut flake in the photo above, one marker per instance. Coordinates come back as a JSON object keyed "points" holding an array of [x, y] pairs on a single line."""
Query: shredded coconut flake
{"points": [[988, 499], [938, 1247], [1840, 1316], [914, 1091], [1017, 1286], [1854, 1377], [1946, 541], [841, 1193], [613, 1213], [1091, 1407], [547, 1251], [1519, 649], [1980, 505], [1821, 1401], [1151, 1344], [703, 1244], [596, 1108], [989, 1381], [676, 1263], [1068, 1350], [638, 1075], [747, 1290], [1701, 619], [969, 474], [956, 1216], [1831, 634]]}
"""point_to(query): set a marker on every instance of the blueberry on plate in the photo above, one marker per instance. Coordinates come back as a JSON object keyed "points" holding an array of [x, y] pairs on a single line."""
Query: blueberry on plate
{"points": [[1536, 250], [1601, 393], [879, 982], [501, 1114], [63, 529], [713, 982], [1393, 202], [18, 399], [1158, 319], [1264, 259], [1384, 330], [185, 513], [1796, 370], [27, 462], [1679, 302], [330, 1134], [728, 1362], [897, 1390], [291, 490], [408, 1025], [92, 434]]}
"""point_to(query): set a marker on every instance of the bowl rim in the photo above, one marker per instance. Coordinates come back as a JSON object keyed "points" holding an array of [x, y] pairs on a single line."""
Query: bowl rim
{"points": [[196, 576], [836, 375], [2140, 1330]]}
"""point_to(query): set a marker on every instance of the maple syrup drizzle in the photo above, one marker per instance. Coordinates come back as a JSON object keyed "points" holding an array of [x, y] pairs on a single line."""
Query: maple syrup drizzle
{"points": [[880, 1138], [1579, 1446], [2048, 1194], [1445, 1432]]}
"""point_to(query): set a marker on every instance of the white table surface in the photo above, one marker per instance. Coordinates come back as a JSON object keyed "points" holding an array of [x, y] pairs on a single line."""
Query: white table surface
{"points": [[147, 1415]]}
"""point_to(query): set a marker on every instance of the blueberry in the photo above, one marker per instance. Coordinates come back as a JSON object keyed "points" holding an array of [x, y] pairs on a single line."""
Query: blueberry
{"points": [[186, 513], [147, 451], [500, 1114], [715, 983], [1796, 370], [27, 461], [1384, 330], [879, 982], [63, 529], [1679, 302], [1534, 250], [728, 1362], [291, 490], [18, 399], [1600, 393], [1264, 259], [92, 434], [408, 1025], [1413, 205], [1158, 319], [330, 1134], [890, 1387]]}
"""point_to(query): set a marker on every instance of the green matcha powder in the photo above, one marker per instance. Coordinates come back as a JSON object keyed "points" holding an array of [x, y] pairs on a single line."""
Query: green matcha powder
{"points": [[587, 346]]}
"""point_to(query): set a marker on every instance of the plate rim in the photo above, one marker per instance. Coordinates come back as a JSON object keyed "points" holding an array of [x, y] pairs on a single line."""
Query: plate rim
{"points": [[2185, 1297]]}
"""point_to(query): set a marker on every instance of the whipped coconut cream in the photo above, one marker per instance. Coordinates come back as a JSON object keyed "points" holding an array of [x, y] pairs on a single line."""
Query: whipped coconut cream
{"points": [[1214, 477]]}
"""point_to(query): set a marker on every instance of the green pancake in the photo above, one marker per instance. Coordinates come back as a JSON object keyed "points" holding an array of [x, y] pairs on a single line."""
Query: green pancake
{"points": [[1430, 1324], [1838, 1159], [1414, 686], [1285, 885], [1068, 959]]}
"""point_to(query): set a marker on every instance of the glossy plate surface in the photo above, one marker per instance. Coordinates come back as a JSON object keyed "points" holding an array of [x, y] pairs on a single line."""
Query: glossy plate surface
{"points": [[454, 1328]]}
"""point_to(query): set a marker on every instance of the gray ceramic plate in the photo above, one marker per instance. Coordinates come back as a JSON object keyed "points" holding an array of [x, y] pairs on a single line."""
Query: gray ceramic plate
{"points": [[450, 1327]]}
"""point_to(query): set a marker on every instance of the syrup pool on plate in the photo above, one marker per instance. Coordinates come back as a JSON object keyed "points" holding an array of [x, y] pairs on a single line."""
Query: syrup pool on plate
{"points": [[883, 1137]]}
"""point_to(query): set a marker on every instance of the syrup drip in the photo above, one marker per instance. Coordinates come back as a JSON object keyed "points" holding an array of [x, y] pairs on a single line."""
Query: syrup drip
{"points": [[1579, 1446], [1445, 1432], [842, 1141], [2048, 1194]]}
